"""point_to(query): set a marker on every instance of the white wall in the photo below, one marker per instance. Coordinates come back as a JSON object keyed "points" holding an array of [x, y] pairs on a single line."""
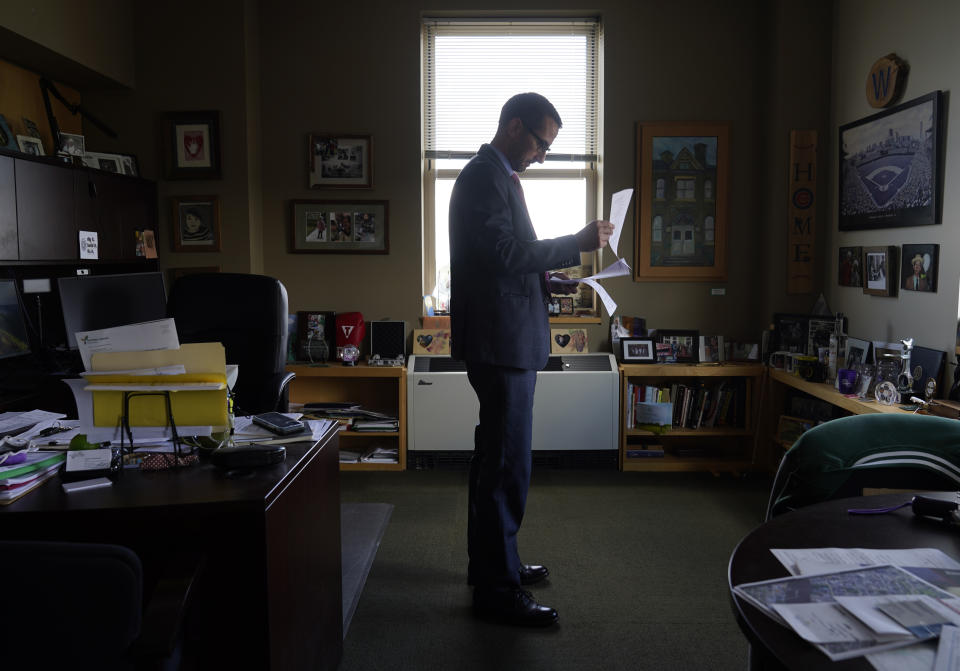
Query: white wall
{"points": [[924, 33]]}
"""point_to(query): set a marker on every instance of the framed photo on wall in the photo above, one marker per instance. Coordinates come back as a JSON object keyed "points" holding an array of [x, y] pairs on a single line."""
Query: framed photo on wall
{"points": [[191, 144], [880, 266], [568, 341], [890, 167], [340, 161], [918, 267], [681, 226], [850, 269], [340, 227], [196, 224]]}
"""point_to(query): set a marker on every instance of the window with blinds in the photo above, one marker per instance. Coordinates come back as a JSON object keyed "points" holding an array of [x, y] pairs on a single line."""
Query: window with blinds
{"points": [[470, 69]]}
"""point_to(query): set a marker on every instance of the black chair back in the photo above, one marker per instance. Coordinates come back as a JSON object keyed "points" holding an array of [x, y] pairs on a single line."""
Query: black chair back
{"points": [[248, 314]]}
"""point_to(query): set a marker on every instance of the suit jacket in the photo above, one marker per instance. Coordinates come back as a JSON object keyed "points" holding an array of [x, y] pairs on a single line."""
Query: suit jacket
{"points": [[498, 294]]}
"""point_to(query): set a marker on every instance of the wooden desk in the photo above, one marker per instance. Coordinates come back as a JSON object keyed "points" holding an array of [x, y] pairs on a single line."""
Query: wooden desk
{"points": [[827, 524], [270, 596]]}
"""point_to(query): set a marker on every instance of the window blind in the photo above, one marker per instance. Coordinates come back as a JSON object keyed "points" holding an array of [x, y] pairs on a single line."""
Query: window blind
{"points": [[473, 67]]}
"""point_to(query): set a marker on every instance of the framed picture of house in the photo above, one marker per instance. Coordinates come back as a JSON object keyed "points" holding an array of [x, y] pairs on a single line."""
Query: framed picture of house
{"points": [[681, 221], [890, 167]]}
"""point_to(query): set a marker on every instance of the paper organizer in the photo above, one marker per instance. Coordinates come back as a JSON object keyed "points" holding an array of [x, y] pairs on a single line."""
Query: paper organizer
{"points": [[198, 397]]}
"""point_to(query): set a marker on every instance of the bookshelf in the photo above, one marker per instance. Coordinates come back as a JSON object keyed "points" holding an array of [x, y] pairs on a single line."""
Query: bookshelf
{"points": [[379, 388], [724, 441]]}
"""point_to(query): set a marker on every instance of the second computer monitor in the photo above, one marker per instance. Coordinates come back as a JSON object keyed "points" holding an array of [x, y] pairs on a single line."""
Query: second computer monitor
{"points": [[95, 302]]}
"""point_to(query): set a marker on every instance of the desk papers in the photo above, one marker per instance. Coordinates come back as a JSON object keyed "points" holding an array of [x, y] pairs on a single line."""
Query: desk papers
{"points": [[154, 335]]}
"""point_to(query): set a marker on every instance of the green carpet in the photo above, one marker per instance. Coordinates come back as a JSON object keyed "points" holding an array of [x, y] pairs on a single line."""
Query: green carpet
{"points": [[638, 567]]}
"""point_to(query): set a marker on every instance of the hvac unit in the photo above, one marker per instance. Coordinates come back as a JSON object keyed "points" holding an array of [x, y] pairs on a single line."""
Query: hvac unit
{"points": [[576, 406]]}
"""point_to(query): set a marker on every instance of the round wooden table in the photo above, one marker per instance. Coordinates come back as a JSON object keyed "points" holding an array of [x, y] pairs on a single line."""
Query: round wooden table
{"points": [[827, 524]]}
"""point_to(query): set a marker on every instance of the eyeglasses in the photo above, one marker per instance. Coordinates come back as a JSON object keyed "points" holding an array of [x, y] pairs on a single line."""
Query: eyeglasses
{"points": [[542, 145]]}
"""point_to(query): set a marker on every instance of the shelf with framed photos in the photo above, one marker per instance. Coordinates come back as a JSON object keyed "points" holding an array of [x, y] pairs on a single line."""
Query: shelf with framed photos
{"points": [[382, 389], [715, 424]]}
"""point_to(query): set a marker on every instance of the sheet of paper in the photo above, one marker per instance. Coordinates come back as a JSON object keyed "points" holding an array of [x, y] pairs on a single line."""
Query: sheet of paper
{"points": [[812, 561], [161, 370], [654, 413], [88, 460], [10, 421], [948, 650], [916, 657], [825, 623], [160, 334], [89, 245], [618, 212], [618, 268], [608, 302], [883, 613]]}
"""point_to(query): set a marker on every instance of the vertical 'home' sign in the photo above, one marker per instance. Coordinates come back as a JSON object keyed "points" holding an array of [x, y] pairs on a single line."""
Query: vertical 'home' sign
{"points": [[802, 194]]}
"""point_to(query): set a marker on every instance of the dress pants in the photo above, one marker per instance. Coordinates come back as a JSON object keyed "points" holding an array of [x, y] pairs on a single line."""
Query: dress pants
{"points": [[499, 472]]}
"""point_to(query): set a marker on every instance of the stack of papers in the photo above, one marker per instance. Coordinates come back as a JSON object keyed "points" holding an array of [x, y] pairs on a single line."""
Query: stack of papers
{"points": [[246, 432], [20, 478], [854, 602]]}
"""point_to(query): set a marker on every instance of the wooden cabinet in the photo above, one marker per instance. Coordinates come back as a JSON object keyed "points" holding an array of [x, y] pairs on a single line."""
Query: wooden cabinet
{"points": [[727, 444], [379, 388], [45, 203], [45, 225]]}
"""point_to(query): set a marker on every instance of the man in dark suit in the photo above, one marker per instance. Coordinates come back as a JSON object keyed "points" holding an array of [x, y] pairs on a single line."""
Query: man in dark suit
{"points": [[499, 297]]}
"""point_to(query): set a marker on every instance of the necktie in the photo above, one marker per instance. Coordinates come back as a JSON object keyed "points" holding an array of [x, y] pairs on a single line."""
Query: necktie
{"points": [[545, 278], [516, 182]]}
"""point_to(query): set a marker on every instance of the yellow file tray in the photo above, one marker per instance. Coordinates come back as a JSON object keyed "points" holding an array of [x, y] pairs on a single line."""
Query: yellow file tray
{"points": [[197, 398]]}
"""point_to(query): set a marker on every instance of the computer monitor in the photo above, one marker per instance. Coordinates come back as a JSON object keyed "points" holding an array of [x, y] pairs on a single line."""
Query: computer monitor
{"points": [[95, 302], [13, 330]]}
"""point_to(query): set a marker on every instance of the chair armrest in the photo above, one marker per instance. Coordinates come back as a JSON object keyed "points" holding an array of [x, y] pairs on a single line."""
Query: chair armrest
{"points": [[165, 612]]}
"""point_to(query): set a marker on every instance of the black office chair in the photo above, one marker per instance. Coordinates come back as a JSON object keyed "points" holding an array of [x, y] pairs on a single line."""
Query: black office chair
{"points": [[841, 457], [248, 314], [83, 605]]}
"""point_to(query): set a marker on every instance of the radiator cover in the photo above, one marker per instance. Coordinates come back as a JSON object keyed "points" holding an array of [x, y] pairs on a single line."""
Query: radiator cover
{"points": [[576, 406]]}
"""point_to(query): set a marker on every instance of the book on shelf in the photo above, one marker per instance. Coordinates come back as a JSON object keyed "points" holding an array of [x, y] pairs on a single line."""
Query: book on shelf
{"points": [[645, 452], [32, 461]]}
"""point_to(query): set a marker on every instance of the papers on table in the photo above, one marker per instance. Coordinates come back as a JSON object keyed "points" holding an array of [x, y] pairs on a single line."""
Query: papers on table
{"points": [[15, 422], [154, 335], [858, 601], [839, 627]]}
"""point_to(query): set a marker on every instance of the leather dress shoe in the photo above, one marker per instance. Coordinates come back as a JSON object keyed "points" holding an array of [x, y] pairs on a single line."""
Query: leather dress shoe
{"points": [[531, 574], [512, 606]]}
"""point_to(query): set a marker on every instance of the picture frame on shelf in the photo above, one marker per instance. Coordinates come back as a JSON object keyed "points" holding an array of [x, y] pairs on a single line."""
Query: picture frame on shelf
{"points": [[191, 144], [684, 345], [316, 335], [881, 347], [103, 161], [196, 224], [918, 267], [858, 351], [638, 350], [792, 332], [129, 165], [72, 144], [681, 221], [890, 167], [880, 270], [431, 341], [711, 349], [850, 267], [30, 145], [819, 330], [569, 341], [7, 138], [340, 160], [31, 127], [926, 363], [339, 227]]}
